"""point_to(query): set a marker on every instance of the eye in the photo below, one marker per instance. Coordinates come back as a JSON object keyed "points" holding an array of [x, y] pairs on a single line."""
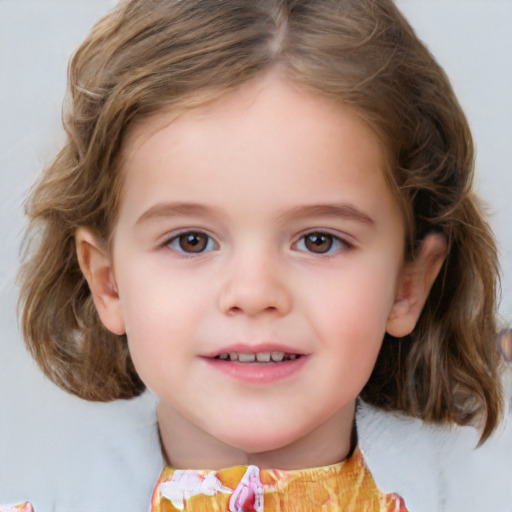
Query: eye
{"points": [[192, 242], [320, 243]]}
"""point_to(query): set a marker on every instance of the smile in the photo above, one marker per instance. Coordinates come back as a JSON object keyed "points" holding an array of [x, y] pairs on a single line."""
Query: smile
{"points": [[258, 357], [259, 367]]}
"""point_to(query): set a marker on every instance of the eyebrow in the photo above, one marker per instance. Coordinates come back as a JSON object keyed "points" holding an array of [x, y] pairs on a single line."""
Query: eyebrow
{"points": [[166, 210], [341, 210]]}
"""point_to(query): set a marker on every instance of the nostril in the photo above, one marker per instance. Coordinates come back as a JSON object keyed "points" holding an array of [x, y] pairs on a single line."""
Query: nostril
{"points": [[254, 297]]}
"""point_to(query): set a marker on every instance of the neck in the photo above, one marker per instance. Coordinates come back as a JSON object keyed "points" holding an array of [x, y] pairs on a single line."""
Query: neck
{"points": [[185, 446]]}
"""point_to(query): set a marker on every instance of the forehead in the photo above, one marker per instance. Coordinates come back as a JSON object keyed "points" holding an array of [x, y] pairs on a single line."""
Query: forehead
{"points": [[272, 101], [264, 126]]}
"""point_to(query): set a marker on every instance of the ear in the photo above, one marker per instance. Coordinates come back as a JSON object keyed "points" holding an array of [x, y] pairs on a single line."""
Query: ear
{"points": [[414, 285], [96, 265]]}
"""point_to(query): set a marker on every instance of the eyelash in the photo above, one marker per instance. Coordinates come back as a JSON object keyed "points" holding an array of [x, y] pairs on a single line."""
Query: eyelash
{"points": [[334, 243], [207, 243], [175, 242]]}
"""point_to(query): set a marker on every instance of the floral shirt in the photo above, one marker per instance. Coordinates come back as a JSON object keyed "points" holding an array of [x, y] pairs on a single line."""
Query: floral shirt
{"points": [[347, 486]]}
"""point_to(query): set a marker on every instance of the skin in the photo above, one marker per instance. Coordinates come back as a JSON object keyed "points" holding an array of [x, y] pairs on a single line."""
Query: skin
{"points": [[255, 177]]}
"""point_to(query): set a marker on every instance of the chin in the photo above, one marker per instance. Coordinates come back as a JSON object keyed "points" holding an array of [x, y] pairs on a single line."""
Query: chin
{"points": [[254, 440]]}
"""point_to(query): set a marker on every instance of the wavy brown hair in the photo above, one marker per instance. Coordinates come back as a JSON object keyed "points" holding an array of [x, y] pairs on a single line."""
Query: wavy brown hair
{"points": [[150, 55]]}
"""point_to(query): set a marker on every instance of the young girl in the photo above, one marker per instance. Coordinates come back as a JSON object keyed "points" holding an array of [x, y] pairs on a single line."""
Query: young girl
{"points": [[263, 210]]}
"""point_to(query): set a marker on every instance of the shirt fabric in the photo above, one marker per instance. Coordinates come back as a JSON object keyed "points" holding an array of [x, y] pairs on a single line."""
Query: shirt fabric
{"points": [[346, 486]]}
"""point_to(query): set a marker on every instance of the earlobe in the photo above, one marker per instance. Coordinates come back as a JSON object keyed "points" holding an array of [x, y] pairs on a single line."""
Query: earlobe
{"points": [[414, 286], [96, 265]]}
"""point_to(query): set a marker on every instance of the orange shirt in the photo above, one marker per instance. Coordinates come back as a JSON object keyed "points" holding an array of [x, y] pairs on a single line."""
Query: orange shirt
{"points": [[346, 486]]}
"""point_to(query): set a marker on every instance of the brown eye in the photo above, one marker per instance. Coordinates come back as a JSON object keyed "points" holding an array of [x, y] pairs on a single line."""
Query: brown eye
{"points": [[319, 243], [192, 242]]}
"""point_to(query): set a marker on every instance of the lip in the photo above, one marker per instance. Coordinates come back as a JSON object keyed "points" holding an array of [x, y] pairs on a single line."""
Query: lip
{"points": [[257, 373]]}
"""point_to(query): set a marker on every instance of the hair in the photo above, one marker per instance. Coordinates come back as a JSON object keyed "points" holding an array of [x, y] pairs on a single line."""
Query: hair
{"points": [[147, 56]]}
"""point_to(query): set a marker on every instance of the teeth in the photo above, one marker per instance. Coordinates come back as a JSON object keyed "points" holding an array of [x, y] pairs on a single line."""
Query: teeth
{"points": [[260, 357], [247, 358], [277, 356], [263, 357]]}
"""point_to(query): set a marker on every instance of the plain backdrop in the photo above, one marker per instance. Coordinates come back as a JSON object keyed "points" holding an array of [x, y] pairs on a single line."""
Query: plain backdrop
{"points": [[66, 454]]}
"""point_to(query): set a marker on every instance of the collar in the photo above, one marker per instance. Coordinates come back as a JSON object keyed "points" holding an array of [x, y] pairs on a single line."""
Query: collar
{"points": [[345, 486]]}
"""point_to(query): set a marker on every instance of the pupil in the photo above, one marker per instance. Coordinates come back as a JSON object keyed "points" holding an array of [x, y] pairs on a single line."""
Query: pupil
{"points": [[193, 242], [318, 242]]}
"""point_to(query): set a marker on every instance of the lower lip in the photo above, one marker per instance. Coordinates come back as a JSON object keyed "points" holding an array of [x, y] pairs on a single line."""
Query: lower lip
{"points": [[258, 373]]}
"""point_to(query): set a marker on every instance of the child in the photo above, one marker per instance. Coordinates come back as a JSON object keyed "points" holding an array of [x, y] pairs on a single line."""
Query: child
{"points": [[264, 210]]}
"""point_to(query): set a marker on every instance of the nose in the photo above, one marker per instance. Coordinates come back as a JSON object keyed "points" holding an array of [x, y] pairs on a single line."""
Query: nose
{"points": [[255, 286]]}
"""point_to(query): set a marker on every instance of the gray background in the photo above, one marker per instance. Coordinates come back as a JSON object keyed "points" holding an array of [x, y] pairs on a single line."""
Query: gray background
{"points": [[47, 437]]}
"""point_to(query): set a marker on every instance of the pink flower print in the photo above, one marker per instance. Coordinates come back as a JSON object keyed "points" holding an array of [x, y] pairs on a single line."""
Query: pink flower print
{"points": [[22, 507], [248, 496], [185, 484]]}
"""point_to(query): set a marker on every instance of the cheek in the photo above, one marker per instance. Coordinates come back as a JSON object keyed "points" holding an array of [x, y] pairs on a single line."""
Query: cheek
{"points": [[362, 297], [158, 345], [355, 315], [161, 314], [153, 298]]}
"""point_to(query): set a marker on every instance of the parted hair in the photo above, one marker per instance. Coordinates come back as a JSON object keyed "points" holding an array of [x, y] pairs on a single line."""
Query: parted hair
{"points": [[147, 56]]}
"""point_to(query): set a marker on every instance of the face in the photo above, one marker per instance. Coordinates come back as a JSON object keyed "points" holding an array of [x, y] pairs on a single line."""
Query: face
{"points": [[256, 262]]}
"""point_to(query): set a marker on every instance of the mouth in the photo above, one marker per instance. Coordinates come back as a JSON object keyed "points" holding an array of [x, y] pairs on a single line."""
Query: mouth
{"points": [[263, 364], [257, 357]]}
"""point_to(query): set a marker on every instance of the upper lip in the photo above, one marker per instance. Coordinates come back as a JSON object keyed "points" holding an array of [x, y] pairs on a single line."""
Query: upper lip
{"points": [[244, 348]]}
